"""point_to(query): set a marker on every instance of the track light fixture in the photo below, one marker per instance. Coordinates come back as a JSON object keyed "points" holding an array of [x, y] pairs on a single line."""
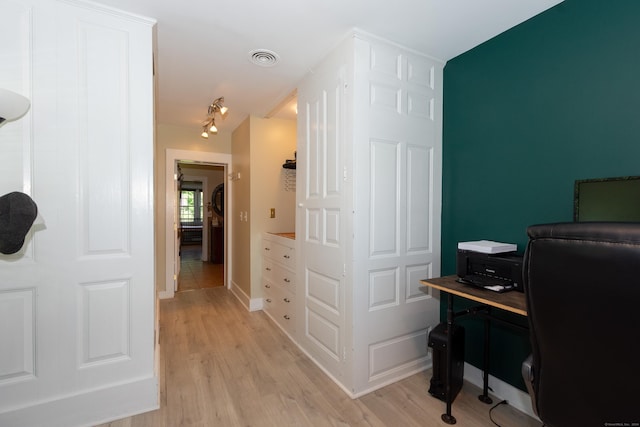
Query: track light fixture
{"points": [[210, 124]]}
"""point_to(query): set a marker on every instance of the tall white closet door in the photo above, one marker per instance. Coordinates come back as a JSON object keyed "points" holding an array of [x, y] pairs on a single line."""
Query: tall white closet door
{"points": [[398, 157], [80, 297]]}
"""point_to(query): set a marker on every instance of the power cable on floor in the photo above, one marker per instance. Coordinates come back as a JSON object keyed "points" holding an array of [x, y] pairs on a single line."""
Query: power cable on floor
{"points": [[494, 407]]}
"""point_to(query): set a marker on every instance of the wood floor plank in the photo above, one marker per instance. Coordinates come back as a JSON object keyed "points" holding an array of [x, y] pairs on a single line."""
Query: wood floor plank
{"points": [[221, 365]]}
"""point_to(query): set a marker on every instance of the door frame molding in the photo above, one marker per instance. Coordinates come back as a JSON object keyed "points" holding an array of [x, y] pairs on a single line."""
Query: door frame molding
{"points": [[172, 158]]}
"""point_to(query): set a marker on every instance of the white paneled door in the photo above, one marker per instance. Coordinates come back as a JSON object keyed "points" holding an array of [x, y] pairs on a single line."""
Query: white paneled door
{"points": [[77, 303], [398, 163], [321, 217]]}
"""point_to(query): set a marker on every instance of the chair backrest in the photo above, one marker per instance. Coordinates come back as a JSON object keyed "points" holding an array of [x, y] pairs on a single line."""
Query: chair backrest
{"points": [[582, 284]]}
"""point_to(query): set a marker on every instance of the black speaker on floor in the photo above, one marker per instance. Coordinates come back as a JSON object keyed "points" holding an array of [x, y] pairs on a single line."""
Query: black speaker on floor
{"points": [[437, 341]]}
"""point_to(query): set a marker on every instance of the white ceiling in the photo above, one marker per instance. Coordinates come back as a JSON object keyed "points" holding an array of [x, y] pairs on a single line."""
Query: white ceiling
{"points": [[203, 46]]}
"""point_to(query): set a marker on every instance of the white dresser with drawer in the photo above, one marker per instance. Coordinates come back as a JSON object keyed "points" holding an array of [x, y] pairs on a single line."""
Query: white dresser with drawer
{"points": [[279, 279]]}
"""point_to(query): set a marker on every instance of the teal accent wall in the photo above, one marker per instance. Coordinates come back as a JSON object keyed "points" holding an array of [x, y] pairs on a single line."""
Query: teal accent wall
{"points": [[555, 99]]}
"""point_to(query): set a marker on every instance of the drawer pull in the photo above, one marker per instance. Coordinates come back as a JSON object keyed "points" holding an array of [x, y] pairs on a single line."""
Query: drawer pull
{"points": [[287, 280], [267, 286], [268, 269], [267, 249], [268, 299], [287, 300], [287, 256], [286, 316]]}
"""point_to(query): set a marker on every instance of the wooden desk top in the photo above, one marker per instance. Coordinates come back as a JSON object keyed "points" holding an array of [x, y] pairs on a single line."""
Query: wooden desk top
{"points": [[512, 301]]}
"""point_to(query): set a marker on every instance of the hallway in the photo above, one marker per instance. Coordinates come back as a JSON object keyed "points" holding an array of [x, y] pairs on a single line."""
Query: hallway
{"points": [[198, 274]]}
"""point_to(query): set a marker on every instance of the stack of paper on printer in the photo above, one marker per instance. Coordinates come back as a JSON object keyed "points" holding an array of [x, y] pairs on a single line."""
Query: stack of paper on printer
{"points": [[488, 246]]}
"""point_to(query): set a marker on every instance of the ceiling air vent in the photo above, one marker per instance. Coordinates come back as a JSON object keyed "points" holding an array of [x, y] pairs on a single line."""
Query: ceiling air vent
{"points": [[264, 57]]}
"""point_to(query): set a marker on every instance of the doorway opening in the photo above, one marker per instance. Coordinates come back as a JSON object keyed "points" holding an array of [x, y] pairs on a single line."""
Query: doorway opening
{"points": [[191, 215], [201, 225]]}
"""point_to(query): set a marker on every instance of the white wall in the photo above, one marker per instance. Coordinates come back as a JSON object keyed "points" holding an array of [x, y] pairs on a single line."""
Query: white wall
{"points": [[241, 194], [260, 147], [272, 142]]}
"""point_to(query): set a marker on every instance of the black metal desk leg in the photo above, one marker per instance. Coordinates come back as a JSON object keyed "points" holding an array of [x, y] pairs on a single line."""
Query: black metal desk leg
{"points": [[484, 397], [448, 418]]}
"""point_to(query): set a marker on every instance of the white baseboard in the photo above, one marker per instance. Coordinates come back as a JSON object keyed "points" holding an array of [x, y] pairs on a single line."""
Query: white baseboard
{"points": [[513, 395], [392, 379], [254, 304], [165, 294], [326, 372], [89, 408]]}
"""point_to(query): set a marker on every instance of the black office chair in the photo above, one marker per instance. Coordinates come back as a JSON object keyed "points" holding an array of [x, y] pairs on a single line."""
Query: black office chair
{"points": [[582, 284]]}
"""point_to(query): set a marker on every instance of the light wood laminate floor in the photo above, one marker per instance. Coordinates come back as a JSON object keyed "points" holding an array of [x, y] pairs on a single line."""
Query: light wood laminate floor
{"points": [[224, 366], [195, 273]]}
